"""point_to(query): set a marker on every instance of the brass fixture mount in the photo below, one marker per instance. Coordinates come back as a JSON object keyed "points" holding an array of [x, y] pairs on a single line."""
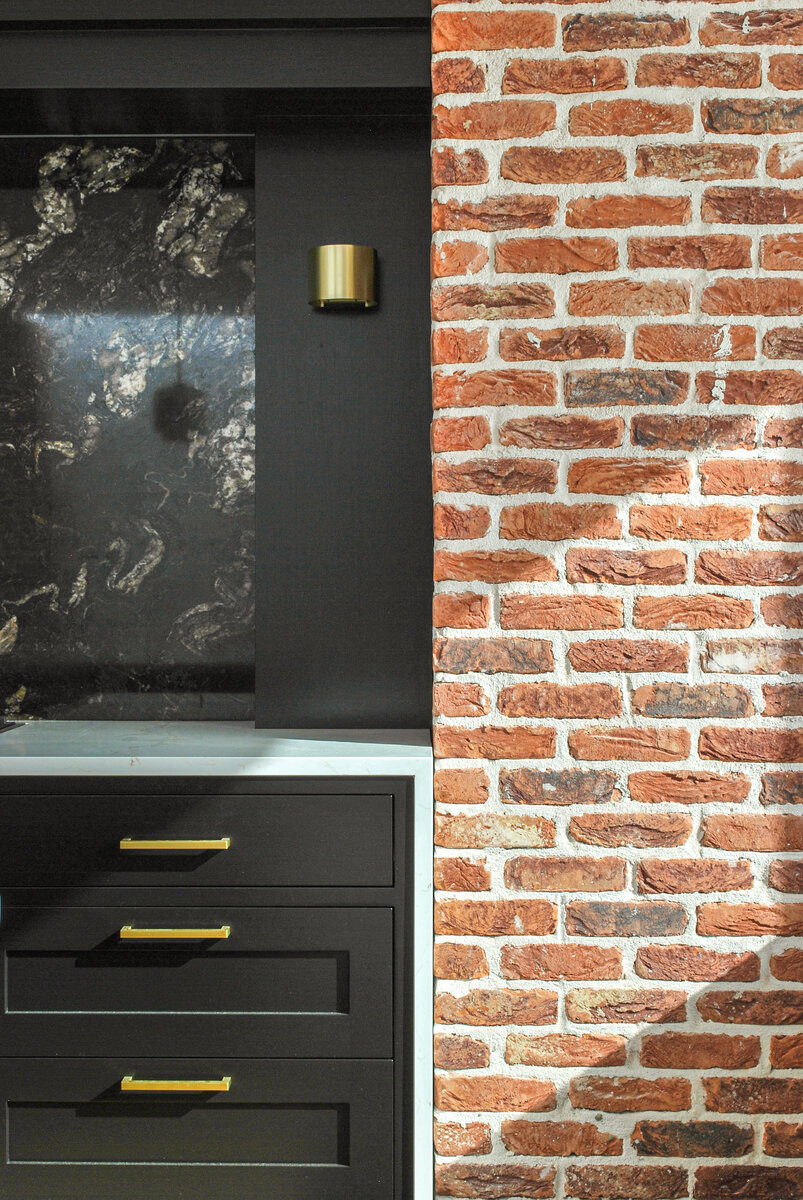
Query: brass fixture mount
{"points": [[342, 275], [129, 1084]]}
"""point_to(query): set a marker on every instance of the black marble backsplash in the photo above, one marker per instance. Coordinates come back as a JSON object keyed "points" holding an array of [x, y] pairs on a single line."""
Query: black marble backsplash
{"points": [[127, 429]]}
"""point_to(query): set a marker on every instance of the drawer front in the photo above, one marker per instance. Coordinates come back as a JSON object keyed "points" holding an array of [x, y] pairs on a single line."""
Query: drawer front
{"points": [[314, 1130], [274, 840], [302, 982]]}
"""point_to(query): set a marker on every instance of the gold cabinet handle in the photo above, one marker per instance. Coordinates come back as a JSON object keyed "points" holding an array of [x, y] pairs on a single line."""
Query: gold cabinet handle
{"points": [[129, 1084], [175, 844], [130, 933]]}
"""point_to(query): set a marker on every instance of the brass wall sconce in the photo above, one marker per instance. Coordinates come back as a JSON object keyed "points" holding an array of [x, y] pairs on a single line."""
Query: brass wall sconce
{"points": [[342, 275]]}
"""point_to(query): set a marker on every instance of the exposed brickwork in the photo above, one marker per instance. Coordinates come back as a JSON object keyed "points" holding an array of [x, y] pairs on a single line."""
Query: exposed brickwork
{"points": [[617, 292]]}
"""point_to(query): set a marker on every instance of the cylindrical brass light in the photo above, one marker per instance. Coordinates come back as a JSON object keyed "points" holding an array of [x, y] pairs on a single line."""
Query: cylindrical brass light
{"points": [[342, 274]]}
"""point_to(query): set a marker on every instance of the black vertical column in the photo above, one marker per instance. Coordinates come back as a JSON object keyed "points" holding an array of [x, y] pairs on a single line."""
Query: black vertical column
{"points": [[344, 533]]}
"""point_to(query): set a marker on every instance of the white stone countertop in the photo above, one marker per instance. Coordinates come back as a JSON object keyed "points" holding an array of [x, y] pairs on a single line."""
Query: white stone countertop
{"points": [[208, 748]]}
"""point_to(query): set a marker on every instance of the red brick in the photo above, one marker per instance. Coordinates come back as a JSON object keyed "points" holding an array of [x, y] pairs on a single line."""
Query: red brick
{"points": [[602, 1006], [789, 966], [748, 832], [622, 655], [495, 212], [461, 874], [458, 258], [558, 345], [456, 1052], [492, 31], [733, 477], [688, 787], [542, 164], [523, 785], [562, 433], [561, 962], [562, 1139], [620, 1094], [561, 612], [523, 655], [627, 386], [621, 476], [452, 1139], [623, 31], [458, 831], [692, 612], [699, 70], [675, 876], [784, 341], [740, 115], [750, 920], [693, 1139], [783, 1140], [618, 919], [704, 161], [460, 433], [696, 965], [503, 1007], [477, 301], [753, 1095], [750, 568], [559, 522], [785, 161], [465, 389], [465, 610], [699, 1051], [546, 874], [456, 168], [784, 610], [492, 742], [496, 476], [459, 345], [783, 699], [780, 523], [786, 72], [457, 75], [626, 298], [667, 432], [494, 566], [758, 28], [699, 252], [493, 1182], [754, 297], [460, 700], [693, 343], [751, 387], [493, 918], [758, 656], [625, 567], [628, 118], [752, 205], [787, 876], [455, 523], [493, 119], [566, 1050], [626, 1183], [493, 1093], [632, 829], [782, 787], [692, 701], [565, 76], [784, 432], [561, 701], [782, 252], [715, 522], [462, 786], [621, 212], [456, 960], [752, 745], [558, 256]]}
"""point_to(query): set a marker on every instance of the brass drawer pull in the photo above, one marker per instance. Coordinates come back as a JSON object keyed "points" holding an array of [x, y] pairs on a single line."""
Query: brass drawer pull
{"points": [[175, 844], [130, 933], [129, 1084]]}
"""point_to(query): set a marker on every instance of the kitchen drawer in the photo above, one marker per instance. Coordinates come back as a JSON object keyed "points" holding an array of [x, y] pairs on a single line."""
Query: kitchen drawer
{"points": [[308, 982], [314, 1130], [304, 840]]}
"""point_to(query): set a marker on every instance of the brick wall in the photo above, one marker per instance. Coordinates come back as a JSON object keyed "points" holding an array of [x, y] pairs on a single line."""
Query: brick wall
{"points": [[618, 390]]}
